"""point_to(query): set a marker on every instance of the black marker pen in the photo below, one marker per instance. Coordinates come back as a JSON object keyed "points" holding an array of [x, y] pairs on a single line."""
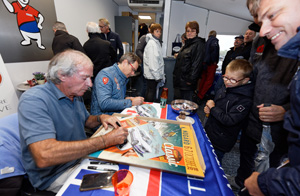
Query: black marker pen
{"points": [[125, 141]]}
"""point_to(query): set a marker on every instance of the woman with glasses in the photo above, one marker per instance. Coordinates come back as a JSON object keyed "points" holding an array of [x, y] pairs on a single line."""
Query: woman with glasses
{"points": [[153, 62], [188, 64]]}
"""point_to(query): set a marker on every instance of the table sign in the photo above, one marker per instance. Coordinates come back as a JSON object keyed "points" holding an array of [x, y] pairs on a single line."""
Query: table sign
{"points": [[8, 97]]}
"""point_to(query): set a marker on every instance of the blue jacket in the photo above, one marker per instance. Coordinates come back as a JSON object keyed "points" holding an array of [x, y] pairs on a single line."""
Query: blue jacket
{"points": [[212, 51], [109, 90], [286, 181], [115, 41]]}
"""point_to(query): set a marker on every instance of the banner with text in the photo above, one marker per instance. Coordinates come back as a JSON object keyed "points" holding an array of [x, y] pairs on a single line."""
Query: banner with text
{"points": [[8, 97]]}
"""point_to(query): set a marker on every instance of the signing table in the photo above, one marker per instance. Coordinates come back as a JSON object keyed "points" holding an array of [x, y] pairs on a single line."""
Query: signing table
{"points": [[155, 183]]}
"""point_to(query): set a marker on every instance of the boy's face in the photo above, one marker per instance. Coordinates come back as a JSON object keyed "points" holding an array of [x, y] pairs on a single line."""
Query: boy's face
{"points": [[234, 78]]}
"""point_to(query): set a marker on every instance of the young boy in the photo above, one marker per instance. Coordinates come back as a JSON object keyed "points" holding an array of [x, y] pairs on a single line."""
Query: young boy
{"points": [[229, 109]]}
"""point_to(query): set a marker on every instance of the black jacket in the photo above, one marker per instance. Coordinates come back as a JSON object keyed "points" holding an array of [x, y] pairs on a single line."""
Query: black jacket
{"points": [[246, 50], [228, 117], [212, 51], [141, 47], [63, 40], [272, 75], [230, 55], [285, 181], [189, 62], [100, 52], [115, 41]]}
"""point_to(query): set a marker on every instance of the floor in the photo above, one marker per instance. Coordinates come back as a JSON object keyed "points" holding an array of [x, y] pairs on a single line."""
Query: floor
{"points": [[231, 160]]}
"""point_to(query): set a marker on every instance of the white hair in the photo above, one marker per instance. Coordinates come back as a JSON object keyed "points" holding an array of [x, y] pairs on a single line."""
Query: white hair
{"points": [[92, 27], [66, 63]]}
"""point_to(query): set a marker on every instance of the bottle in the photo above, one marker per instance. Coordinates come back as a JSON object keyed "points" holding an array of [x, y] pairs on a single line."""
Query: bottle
{"points": [[163, 98], [265, 147]]}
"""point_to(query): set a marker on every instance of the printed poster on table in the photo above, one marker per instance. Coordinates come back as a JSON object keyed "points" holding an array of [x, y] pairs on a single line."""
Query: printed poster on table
{"points": [[8, 97], [156, 143]]}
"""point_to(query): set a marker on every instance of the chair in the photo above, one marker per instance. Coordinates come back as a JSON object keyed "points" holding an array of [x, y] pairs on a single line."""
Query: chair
{"points": [[16, 182]]}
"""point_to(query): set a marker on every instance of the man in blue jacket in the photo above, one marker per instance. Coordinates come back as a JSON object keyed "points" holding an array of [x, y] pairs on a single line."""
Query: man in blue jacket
{"points": [[109, 90], [280, 24], [114, 38]]}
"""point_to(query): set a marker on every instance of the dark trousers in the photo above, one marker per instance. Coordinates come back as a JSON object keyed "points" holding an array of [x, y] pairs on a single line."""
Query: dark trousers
{"points": [[177, 94], [11, 186], [187, 94], [248, 151], [151, 90], [220, 154]]}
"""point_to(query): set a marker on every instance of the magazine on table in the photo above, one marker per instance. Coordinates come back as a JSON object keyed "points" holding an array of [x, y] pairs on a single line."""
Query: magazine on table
{"points": [[156, 143]]}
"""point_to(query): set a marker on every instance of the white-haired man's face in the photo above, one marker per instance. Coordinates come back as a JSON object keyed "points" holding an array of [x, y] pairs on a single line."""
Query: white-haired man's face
{"points": [[280, 20]]}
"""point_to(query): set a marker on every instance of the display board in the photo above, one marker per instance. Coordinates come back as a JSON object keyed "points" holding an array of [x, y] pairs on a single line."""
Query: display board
{"points": [[8, 97], [158, 144]]}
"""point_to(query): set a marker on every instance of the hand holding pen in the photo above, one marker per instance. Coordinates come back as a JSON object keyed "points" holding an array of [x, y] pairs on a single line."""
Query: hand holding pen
{"points": [[116, 136], [125, 141]]}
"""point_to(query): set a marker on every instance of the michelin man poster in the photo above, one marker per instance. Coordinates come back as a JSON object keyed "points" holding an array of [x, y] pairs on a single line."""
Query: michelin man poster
{"points": [[26, 30]]}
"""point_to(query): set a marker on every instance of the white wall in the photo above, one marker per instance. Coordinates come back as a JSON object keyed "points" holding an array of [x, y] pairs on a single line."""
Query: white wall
{"points": [[226, 25], [75, 14], [181, 13]]}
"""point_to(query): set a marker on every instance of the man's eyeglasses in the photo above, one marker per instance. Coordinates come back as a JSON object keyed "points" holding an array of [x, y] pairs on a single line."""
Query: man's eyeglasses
{"points": [[134, 70], [233, 81], [101, 26]]}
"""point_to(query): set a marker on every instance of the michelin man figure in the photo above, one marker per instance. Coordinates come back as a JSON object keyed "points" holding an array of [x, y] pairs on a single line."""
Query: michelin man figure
{"points": [[26, 18]]}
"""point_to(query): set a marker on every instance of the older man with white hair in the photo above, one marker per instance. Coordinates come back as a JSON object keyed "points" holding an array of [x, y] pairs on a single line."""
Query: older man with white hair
{"points": [[52, 118], [100, 51]]}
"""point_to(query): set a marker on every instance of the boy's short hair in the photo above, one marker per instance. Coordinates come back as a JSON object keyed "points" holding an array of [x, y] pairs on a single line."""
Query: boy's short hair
{"points": [[155, 26], [240, 65]]}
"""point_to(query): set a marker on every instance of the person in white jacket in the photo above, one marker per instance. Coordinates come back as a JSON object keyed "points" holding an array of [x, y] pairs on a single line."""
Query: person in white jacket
{"points": [[153, 62]]}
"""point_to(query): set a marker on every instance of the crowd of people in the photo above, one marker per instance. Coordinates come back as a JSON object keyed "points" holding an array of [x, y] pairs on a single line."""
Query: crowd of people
{"points": [[258, 71]]}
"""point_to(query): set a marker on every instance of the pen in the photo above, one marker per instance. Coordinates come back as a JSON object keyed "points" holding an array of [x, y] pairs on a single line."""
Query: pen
{"points": [[118, 124], [100, 169], [125, 141], [102, 163]]}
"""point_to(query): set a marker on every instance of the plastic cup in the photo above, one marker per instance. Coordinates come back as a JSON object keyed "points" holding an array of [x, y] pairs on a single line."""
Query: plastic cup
{"points": [[121, 181]]}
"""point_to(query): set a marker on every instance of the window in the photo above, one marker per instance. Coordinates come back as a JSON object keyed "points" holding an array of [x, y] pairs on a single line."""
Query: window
{"points": [[225, 43]]}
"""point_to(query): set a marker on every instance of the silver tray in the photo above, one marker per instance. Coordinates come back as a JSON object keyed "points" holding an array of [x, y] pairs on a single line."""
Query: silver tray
{"points": [[182, 106]]}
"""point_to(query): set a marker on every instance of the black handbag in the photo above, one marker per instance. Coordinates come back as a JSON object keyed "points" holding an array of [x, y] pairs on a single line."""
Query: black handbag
{"points": [[176, 45]]}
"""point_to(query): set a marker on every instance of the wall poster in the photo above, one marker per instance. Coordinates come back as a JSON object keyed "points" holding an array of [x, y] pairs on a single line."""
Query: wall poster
{"points": [[26, 30]]}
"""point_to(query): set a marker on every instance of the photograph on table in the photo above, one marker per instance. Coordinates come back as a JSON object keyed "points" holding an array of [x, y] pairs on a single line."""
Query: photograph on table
{"points": [[156, 143]]}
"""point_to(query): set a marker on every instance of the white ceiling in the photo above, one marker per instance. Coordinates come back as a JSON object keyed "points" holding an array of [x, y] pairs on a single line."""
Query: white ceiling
{"points": [[236, 8]]}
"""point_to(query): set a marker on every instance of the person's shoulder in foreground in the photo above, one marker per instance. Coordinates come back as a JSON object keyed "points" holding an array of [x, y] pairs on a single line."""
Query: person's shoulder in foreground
{"points": [[279, 24]]}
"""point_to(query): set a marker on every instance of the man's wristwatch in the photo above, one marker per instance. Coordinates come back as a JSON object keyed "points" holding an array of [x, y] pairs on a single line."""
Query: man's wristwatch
{"points": [[98, 119]]}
